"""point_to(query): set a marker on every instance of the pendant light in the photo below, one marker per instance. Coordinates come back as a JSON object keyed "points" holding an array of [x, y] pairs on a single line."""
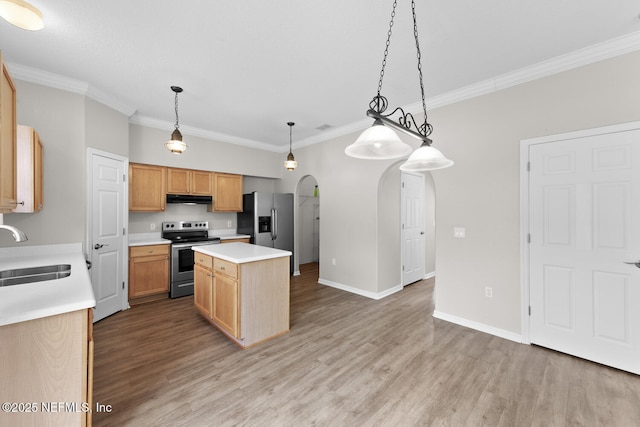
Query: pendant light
{"points": [[379, 141], [21, 14], [290, 163], [175, 144]]}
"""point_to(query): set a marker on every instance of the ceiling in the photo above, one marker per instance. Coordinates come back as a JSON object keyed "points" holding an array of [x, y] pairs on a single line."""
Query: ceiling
{"points": [[249, 67]]}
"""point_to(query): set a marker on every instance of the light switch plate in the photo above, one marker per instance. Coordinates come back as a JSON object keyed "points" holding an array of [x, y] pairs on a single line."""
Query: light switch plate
{"points": [[459, 232]]}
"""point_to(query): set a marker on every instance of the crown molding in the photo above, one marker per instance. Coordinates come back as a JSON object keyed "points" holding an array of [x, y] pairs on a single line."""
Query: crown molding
{"points": [[589, 55], [137, 119], [56, 81], [598, 52]]}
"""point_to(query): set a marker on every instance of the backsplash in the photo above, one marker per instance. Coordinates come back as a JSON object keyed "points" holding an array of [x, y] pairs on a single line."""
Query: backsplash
{"points": [[141, 222]]}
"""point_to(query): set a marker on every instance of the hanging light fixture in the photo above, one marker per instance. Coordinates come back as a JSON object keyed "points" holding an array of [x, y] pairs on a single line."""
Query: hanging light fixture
{"points": [[379, 141], [21, 14], [175, 144], [290, 163]]}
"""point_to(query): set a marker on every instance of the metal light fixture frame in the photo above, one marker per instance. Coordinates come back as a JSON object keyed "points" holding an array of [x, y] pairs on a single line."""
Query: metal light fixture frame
{"points": [[175, 144], [406, 122]]}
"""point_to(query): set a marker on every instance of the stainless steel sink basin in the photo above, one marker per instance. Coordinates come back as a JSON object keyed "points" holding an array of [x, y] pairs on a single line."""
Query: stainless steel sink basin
{"points": [[19, 276]]}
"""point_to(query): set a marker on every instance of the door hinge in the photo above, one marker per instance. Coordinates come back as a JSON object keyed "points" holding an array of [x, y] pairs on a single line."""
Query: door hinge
{"points": [[403, 268], [403, 185], [124, 231], [529, 310], [124, 177], [528, 166], [529, 238], [122, 285]]}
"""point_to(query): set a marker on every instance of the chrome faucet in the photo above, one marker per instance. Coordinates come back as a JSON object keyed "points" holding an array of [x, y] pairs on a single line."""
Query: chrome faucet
{"points": [[18, 235]]}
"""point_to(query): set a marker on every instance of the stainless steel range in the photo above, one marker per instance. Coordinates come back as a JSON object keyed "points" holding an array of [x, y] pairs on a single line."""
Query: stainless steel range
{"points": [[184, 235]]}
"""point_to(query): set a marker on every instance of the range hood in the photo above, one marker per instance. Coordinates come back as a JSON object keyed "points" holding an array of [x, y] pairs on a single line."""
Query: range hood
{"points": [[189, 199]]}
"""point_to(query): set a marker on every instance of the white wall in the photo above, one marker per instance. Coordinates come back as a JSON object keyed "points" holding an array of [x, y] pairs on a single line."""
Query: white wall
{"points": [[481, 191]]}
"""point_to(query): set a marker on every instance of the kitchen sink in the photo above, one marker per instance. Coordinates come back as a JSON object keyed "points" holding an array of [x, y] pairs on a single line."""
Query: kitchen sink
{"points": [[20, 276]]}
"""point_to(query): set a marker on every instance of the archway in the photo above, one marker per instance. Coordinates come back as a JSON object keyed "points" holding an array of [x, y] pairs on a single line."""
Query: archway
{"points": [[308, 236]]}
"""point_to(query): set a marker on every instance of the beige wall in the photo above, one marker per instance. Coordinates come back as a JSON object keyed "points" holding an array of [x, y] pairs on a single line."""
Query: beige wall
{"points": [[146, 145], [58, 116], [481, 192]]}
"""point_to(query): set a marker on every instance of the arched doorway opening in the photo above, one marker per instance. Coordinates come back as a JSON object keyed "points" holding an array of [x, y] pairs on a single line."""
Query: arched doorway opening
{"points": [[308, 236]]}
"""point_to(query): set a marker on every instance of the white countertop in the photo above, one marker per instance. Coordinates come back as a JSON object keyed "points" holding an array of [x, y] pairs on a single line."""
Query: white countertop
{"points": [[19, 303], [232, 236], [240, 253], [143, 239]]}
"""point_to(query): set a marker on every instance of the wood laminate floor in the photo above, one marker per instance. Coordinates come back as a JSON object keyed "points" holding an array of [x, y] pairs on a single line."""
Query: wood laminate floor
{"points": [[348, 361]]}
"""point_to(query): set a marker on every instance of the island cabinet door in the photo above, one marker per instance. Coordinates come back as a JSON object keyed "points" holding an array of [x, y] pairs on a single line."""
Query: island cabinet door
{"points": [[203, 290], [225, 304]]}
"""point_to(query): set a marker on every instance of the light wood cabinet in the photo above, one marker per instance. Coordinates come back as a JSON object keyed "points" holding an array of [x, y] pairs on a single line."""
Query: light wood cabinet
{"points": [[148, 270], [48, 361], [147, 188], [30, 168], [242, 240], [225, 296], [203, 289], [248, 302], [8, 140], [187, 181], [227, 193]]}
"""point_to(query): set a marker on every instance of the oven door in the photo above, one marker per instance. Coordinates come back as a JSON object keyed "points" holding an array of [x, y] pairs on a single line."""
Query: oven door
{"points": [[182, 261]]}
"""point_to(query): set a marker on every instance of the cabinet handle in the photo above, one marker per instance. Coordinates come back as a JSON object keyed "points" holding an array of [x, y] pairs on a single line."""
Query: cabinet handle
{"points": [[20, 203]]}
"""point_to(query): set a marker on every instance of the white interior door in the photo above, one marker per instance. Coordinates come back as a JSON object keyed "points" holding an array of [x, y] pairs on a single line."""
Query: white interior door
{"points": [[413, 228], [584, 224], [107, 248]]}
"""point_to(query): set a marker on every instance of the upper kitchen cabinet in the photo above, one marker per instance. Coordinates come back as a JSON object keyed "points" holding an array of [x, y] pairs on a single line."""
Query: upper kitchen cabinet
{"points": [[30, 166], [8, 138], [227, 193], [186, 181], [147, 187]]}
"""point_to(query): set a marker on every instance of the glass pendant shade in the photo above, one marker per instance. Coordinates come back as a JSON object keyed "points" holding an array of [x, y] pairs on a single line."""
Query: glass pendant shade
{"points": [[175, 145], [426, 158], [378, 142], [21, 14], [290, 164]]}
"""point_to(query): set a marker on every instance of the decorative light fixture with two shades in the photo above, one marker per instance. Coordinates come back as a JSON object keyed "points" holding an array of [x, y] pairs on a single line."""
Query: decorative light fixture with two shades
{"points": [[21, 14], [380, 142], [175, 144], [290, 164]]}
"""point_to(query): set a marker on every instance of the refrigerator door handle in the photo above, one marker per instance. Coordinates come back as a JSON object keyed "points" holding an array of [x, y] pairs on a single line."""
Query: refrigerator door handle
{"points": [[275, 224]]}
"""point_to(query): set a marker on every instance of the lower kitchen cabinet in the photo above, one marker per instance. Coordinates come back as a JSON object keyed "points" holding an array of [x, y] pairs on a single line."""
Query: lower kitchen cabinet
{"points": [[48, 362], [203, 289], [148, 270], [225, 303]]}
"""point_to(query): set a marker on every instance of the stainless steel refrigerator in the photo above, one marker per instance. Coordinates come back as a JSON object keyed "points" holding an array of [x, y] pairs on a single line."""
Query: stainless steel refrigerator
{"points": [[268, 219]]}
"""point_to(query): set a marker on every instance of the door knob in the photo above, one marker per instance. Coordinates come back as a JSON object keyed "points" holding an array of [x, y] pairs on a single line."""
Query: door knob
{"points": [[98, 246], [636, 263]]}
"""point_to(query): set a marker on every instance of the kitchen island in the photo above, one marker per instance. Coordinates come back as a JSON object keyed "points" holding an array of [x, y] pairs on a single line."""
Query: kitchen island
{"points": [[243, 290]]}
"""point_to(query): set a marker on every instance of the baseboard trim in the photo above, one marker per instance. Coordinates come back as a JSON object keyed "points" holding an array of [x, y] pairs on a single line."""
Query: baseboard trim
{"points": [[361, 292], [429, 275], [511, 336]]}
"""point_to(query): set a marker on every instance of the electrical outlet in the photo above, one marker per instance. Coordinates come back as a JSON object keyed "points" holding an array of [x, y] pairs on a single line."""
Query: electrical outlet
{"points": [[152, 226], [229, 224], [333, 261], [459, 232], [488, 292]]}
